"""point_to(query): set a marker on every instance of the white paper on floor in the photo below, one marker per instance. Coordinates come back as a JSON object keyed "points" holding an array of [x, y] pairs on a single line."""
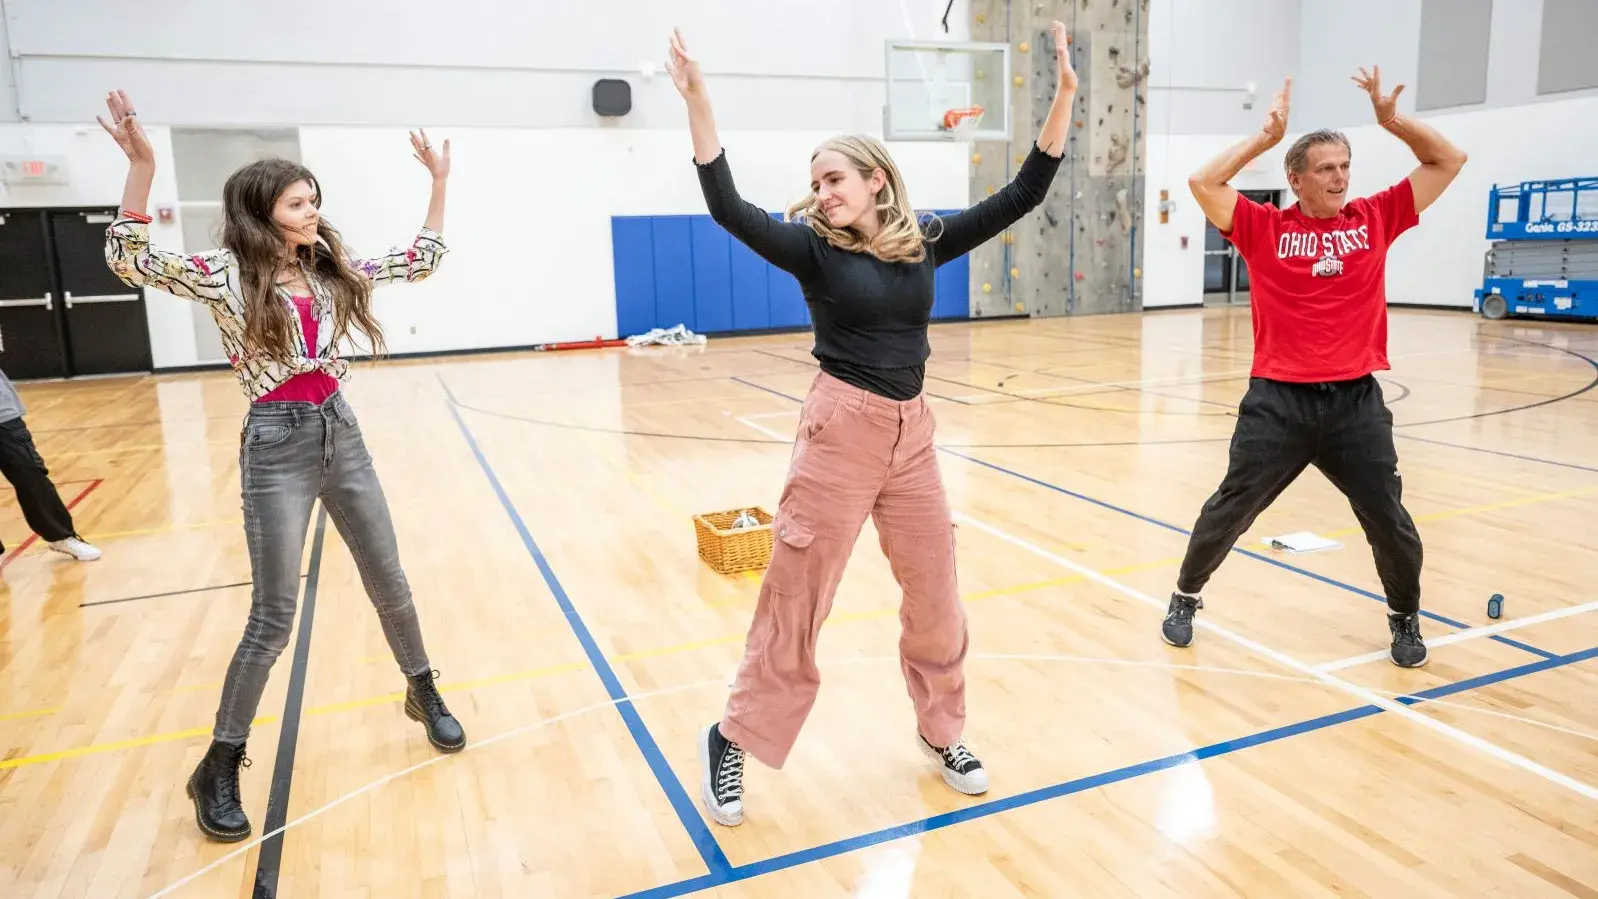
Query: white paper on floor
{"points": [[1302, 542]]}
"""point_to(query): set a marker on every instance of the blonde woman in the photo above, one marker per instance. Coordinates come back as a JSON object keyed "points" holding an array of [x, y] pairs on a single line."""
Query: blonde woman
{"points": [[865, 440]]}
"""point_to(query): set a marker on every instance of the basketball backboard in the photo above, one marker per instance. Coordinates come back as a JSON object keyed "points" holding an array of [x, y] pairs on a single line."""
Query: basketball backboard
{"points": [[947, 90]]}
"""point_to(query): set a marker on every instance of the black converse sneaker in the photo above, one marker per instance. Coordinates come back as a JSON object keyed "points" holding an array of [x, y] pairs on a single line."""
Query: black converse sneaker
{"points": [[721, 777], [961, 770], [1408, 651], [422, 703], [1178, 627], [214, 787]]}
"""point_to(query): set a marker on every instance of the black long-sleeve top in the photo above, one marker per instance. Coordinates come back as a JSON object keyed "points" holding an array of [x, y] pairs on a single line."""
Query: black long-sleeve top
{"points": [[870, 317]]}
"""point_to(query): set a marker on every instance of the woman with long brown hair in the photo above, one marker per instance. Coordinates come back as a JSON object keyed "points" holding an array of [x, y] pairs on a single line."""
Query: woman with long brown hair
{"points": [[865, 444], [285, 292]]}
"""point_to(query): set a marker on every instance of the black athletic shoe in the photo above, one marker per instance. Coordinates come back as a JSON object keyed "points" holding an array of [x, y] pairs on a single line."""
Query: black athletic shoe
{"points": [[1408, 651], [214, 787], [721, 777], [961, 769], [1178, 627], [422, 703]]}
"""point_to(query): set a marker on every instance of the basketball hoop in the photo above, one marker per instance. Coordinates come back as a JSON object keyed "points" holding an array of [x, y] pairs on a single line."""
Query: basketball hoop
{"points": [[963, 121]]}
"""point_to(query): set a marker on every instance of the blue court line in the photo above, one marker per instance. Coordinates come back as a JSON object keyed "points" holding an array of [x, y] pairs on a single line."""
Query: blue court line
{"points": [[1442, 619], [1093, 781], [1478, 449], [1246, 552], [687, 812]]}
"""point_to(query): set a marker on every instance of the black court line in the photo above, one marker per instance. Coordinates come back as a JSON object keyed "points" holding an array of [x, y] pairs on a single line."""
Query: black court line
{"points": [[108, 602], [277, 803]]}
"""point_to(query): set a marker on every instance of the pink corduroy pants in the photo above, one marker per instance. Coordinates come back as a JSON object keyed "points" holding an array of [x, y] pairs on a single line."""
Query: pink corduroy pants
{"points": [[856, 454]]}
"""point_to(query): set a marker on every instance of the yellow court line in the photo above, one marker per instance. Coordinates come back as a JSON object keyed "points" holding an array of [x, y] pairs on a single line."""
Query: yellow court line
{"points": [[34, 713], [539, 673], [528, 675], [102, 536], [1474, 510], [110, 747]]}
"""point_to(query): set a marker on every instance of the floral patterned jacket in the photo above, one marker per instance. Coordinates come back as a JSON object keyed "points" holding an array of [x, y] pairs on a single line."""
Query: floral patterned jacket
{"points": [[212, 278]]}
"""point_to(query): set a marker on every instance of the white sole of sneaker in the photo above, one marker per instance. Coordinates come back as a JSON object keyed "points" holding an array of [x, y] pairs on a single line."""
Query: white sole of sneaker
{"points": [[707, 796], [969, 784]]}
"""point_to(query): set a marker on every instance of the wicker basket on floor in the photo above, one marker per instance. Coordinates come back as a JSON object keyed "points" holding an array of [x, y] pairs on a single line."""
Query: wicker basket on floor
{"points": [[728, 550]]}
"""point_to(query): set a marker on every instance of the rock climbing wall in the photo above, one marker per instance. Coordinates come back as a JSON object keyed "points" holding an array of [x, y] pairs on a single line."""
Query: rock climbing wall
{"points": [[1079, 253]]}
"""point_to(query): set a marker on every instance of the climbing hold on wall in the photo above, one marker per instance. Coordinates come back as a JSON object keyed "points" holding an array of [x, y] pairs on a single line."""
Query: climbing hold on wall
{"points": [[1015, 273], [1020, 307], [986, 287], [1023, 47], [1019, 81], [1137, 273], [976, 158], [1019, 158]]}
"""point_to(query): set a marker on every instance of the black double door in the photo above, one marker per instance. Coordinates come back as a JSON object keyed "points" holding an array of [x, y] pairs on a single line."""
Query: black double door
{"points": [[62, 313]]}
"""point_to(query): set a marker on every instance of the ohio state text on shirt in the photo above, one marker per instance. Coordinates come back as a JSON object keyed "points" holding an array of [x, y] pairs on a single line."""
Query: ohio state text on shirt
{"points": [[1318, 286]]}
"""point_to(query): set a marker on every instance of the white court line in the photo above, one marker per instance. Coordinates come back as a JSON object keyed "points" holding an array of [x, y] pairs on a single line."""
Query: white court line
{"points": [[1585, 790], [765, 430], [772, 414], [1469, 634], [251, 844], [833, 663]]}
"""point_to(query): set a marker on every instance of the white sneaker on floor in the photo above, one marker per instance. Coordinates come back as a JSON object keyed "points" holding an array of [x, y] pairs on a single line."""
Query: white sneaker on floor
{"points": [[77, 549], [961, 769]]}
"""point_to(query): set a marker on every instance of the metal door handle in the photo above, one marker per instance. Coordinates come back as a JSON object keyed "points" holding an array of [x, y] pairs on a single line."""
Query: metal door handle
{"points": [[47, 301], [100, 298]]}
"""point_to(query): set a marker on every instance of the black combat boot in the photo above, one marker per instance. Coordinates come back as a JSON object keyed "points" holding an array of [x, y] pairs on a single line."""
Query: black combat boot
{"points": [[214, 787], [422, 703]]}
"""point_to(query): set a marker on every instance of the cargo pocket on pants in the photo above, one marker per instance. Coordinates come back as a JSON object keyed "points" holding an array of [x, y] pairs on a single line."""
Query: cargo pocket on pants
{"points": [[794, 612]]}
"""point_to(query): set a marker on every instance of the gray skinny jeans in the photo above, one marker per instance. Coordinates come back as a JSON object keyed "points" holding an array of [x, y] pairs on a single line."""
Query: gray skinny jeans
{"points": [[289, 455]]}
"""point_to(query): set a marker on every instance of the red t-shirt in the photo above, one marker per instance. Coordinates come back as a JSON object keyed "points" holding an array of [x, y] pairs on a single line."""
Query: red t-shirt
{"points": [[1318, 286], [309, 387]]}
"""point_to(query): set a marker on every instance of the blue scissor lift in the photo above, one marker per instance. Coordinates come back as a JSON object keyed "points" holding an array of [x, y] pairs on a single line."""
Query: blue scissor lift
{"points": [[1544, 258]]}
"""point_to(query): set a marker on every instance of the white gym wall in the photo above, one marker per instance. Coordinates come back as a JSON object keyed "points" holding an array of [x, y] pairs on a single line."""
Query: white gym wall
{"points": [[510, 83], [1527, 115]]}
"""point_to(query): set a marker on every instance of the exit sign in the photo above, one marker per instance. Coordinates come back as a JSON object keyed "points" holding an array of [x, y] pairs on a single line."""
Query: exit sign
{"points": [[33, 170]]}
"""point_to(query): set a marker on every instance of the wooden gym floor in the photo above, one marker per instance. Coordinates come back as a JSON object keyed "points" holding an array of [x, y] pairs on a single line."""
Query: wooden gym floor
{"points": [[544, 502]]}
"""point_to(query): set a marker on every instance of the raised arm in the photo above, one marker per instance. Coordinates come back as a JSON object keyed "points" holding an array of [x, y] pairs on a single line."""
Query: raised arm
{"points": [[970, 228], [128, 252], [422, 257], [1440, 160], [1210, 185], [787, 245]]}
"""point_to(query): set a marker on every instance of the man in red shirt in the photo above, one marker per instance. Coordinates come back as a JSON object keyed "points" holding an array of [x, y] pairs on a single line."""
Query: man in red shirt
{"points": [[1317, 272]]}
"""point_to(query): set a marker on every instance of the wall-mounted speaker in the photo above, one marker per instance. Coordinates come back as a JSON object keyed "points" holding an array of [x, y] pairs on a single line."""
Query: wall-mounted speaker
{"points": [[613, 97]]}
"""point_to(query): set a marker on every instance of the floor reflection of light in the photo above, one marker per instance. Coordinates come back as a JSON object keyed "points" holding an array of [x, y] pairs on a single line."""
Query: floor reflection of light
{"points": [[890, 872], [1187, 810]]}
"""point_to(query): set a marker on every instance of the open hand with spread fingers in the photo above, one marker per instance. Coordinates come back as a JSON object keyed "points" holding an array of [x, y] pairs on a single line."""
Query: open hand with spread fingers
{"points": [[437, 161], [1386, 106], [124, 128]]}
